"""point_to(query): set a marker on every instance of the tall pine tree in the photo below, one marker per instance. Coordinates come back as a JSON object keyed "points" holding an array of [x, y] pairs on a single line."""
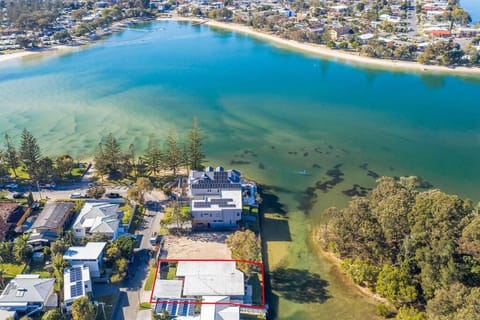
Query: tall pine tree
{"points": [[195, 141], [30, 153]]}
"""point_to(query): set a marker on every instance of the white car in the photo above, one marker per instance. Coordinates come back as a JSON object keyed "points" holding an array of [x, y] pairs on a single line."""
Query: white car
{"points": [[76, 195]]}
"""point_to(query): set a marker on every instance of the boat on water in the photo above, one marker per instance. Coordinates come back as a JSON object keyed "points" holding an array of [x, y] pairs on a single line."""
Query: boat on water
{"points": [[304, 173]]}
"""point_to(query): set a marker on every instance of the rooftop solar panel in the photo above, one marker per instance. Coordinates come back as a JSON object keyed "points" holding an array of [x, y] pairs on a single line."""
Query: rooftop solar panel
{"points": [[76, 290]]}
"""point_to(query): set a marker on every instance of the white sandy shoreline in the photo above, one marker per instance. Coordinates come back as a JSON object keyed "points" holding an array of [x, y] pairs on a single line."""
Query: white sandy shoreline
{"points": [[309, 48], [27, 53], [342, 56]]}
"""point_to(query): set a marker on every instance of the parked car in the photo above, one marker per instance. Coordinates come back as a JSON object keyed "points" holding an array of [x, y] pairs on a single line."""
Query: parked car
{"points": [[11, 186], [18, 195], [76, 195], [113, 195]]}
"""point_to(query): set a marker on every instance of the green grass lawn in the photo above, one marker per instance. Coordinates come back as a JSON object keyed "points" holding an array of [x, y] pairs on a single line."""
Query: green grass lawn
{"points": [[145, 305], [12, 269], [150, 279], [21, 173], [109, 305], [77, 172], [137, 218], [39, 268], [172, 273]]}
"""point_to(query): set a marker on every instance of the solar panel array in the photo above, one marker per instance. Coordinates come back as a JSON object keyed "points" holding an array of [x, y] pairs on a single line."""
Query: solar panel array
{"points": [[222, 203], [75, 274], [76, 289], [220, 180]]}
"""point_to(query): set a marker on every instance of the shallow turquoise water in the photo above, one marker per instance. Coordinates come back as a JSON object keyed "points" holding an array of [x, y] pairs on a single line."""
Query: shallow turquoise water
{"points": [[293, 111]]}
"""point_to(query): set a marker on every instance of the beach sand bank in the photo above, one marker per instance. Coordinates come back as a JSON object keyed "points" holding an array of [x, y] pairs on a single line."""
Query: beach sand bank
{"points": [[17, 55], [342, 56]]}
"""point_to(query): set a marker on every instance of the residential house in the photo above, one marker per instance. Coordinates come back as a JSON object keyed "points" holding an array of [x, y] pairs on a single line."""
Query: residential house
{"points": [[217, 198], [211, 182], [218, 283], [10, 214], [217, 212], [53, 217], [91, 256], [337, 32], [28, 293], [77, 283], [98, 218]]}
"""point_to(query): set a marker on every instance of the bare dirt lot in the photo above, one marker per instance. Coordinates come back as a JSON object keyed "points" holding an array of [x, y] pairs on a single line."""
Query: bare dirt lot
{"points": [[199, 245]]}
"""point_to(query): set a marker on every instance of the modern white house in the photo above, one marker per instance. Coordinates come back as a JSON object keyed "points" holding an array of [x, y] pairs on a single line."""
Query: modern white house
{"points": [[216, 198], [90, 256], [222, 211], [77, 283], [98, 218], [212, 182], [28, 293], [210, 278], [219, 284]]}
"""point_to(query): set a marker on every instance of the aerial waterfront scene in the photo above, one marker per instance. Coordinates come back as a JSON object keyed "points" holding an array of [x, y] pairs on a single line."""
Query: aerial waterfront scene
{"points": [[311, 131]]}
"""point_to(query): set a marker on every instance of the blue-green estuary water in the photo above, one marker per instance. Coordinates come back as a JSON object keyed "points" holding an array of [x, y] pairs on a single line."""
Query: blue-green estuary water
{"points": [[294, 112]]}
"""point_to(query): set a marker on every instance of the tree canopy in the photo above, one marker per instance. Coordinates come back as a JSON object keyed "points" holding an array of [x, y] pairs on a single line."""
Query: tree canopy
{"points": [[82, 309], [245, 245], [411, 246]]}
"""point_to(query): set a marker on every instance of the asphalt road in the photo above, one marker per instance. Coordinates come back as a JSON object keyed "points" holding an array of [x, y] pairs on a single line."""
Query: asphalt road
{"points": [[131, 291]]}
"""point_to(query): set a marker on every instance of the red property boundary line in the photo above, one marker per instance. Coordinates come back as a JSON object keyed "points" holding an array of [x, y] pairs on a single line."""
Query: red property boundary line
{"points": [[173, 301]]}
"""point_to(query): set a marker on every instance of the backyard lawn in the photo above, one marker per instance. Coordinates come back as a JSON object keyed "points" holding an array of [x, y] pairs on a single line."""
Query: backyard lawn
{"points": [[150, 279], [11, 269]]}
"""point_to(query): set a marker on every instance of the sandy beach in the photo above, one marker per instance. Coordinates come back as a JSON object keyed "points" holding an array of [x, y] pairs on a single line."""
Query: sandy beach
{"points": [[343, 56], [28, 53]]}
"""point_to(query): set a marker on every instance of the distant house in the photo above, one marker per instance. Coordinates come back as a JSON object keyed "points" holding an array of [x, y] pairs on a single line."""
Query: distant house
{"points": [[53, 217], [28, 293], [217, 198], [336, 33], [286, 12], [10, 214], [441, 33], [98, 218], [91, 256], [364, 38], [77, 283]]}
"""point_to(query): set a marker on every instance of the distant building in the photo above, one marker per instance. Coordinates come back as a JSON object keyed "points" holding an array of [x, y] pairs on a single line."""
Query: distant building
{"points": [[98, 218], [77, 283], [28, 293], [91, 256], [336, 33], [53, 217]]}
